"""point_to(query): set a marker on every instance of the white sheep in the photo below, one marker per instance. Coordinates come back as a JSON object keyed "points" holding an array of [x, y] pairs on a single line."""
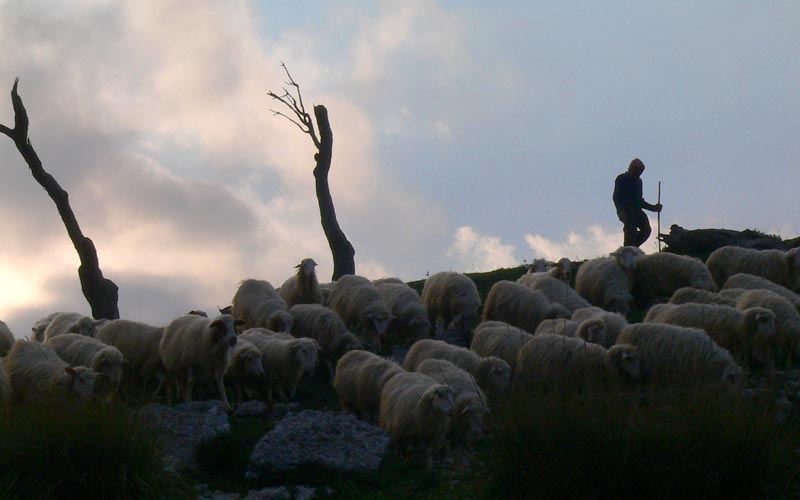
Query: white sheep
{"points": [[569, 364], [555, 290], [787, 319], [247, 367], [414, 407], [777, 266], [454, 298], [751, 282], [381, 281], [5, 387], [614, 322], [326, 289], [676, 356], [746, 333], [591, 330], [606, 281], [409, 319], [360, 377], [194, 348], [38, 328], [470, 406], [37, 374], [499, 339], [561, 270], [258, 304], [325, 326], [687, 295], [362, 308], [71, 322], [492, 373], [519, 305], [6, 339], [287, 360], [657, 276], [103, 359], [143, 370], [303, 287]]}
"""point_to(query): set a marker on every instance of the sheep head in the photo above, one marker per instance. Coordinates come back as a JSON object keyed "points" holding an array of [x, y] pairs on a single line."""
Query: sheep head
{"points": [[440, 399], [626, 363], [494, 375], [81, 381], [594, 330], [249, 358], [281, 321], [305, 352], [223, 329]]}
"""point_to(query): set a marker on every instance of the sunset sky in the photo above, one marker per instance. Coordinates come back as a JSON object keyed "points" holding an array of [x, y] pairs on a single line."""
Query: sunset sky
{"points": [[467, 136]]}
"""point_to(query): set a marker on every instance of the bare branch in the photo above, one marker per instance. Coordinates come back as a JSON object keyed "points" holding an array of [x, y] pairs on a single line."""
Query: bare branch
{"points": [[299, 125], [296, 105]]}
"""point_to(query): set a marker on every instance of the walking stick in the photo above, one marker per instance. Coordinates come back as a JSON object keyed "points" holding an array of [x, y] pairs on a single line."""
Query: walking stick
{"points": [[658, 237]]}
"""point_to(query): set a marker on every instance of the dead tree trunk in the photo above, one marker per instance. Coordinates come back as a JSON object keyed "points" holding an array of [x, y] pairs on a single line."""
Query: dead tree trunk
{"points": [[341, 249], [101, 293]]}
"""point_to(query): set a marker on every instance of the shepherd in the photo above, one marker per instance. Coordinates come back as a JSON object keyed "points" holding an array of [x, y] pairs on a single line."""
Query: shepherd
{"points": [[631, 205]]}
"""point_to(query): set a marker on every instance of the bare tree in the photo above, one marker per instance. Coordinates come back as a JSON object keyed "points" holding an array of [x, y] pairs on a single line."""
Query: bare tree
{"points": [[101, 293], [341, 249]]}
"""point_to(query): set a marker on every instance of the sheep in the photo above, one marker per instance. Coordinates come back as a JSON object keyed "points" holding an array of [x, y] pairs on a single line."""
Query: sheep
{"points": [[71, 322], [499, 339], [414, 406], [492, 373], [381, 281], [303, 287], [287, 359], [103, 359], [258, 304], [550, 362], [775, 265], [687, 295], [143, 370], [751, 282], [591, 330], [677, 356], [454, 298], [327, 328], [246, 367], [5, 387], [37, 374], [787, 319], [614, 322], [362, 308], [658, 275], [38, 328], [360, 377], [469, 407], [195, 348], [555, 290], [606, 281], [409, 320], [746, 333], [326, 289], [6, 339], [519, 305]]}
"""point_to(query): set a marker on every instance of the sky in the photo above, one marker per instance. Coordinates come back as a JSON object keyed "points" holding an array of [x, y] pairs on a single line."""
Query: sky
{"points": [[468, 136]]}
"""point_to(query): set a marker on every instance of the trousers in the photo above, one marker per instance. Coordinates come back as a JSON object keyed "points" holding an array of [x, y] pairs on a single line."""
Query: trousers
{"points": [[635, 226]]}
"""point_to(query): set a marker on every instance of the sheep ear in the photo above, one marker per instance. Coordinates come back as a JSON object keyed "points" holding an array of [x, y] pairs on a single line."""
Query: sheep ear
{"points": [[69, 370], [297, 266]]}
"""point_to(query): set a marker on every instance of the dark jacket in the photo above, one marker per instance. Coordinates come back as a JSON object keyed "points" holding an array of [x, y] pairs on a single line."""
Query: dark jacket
{"points": [[628, 193]]}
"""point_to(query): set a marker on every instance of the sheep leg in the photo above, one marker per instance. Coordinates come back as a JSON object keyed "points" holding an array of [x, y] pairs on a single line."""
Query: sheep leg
{"points": [[281, 394], [219, 375], [293, 391], [189, 383]]}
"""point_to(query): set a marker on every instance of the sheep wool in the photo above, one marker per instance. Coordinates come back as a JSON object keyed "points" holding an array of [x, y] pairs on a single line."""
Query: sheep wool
{"points": [[750, 282], [614, 322], [517, 305], [453, 298], [37, 374], [606, 281], [258, 304], [782, 268], [555, 290], [303, 287], [360, 378], [143, 370], [659, 275], [6, 339], [787, 320], [409, 320], [499, 339], [286, 362], [71, 322], [687, 295], [38, 328], [247, 367], [5, 387], [328, 329], [103, 359], [362, 308], [591, 330]]}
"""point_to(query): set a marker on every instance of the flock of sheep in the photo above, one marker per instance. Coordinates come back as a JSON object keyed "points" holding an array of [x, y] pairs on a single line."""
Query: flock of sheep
{"points": [[707, 324]]}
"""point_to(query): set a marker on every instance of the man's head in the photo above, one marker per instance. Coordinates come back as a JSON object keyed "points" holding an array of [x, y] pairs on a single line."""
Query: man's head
{"points": [[636, 167]]}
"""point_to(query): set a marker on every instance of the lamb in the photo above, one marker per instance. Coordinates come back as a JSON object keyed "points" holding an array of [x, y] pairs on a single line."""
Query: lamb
{"points": [[561, 270], [413, 407], [6, 339], [519, 305], [775, 265], [569, 364], [303, 287], [103, 359], [409, 320], [258, 304], [195, 348], [787, 319], [555, 290], [499, 339], [469, 407], [360, 378], [687, 294], [606, 281], [614, 322], [454, 298], [676, 356], [492, 373], [327, 328], [746, 333], [750, 282], [362, 308], [287, 359], [143, 370], [246, 366], [5, 388], [71, 322], [591, 330], [37, 374], [658, 275]]}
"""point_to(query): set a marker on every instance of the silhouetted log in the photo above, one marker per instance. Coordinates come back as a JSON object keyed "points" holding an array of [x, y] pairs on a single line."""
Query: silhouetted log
{"points": [[701, 242], [101, 293]]}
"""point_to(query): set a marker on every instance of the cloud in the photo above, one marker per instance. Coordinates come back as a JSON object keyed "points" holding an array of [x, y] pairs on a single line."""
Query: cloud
{"points": [[594, 241], [473, 252]]}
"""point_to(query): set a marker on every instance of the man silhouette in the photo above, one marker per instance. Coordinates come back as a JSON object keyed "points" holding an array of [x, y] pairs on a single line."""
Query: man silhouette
{"points": [[630, 204]]}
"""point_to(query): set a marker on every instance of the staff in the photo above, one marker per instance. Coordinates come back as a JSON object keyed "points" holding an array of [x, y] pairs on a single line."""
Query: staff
{"points": [[658, 234]]}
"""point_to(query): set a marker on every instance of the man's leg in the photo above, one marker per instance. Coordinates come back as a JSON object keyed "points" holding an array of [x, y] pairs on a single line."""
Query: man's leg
{"points": [[629, 227], [642, 225]]}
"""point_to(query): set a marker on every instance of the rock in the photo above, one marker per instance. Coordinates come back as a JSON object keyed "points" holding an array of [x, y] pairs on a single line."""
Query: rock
{"points": [[280, 493], [335, 441], [783, 410], [251, 408], [183, 427], [218, 495], [304, 493]]}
